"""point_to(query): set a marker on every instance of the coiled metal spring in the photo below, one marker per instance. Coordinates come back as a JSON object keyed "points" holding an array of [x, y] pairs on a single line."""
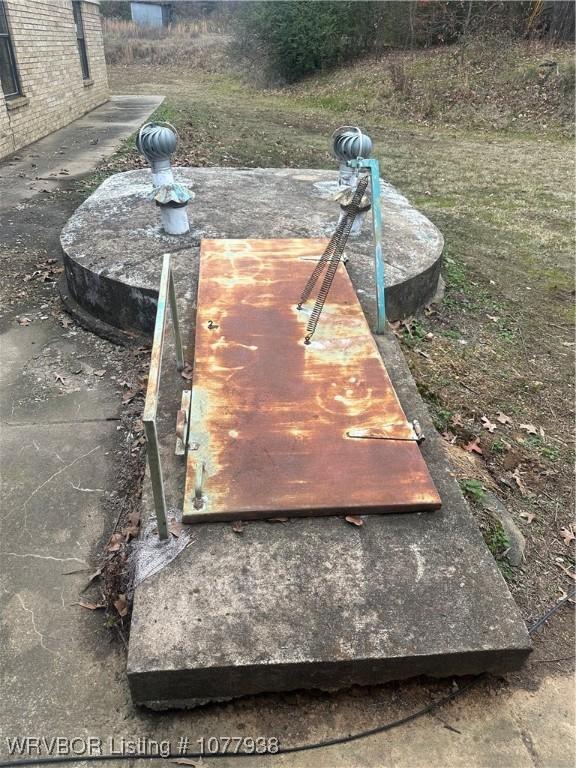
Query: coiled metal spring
{"points": [[331, 258]]}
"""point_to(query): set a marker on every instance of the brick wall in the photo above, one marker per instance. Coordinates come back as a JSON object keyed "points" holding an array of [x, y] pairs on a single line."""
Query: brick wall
{"points": [[53, 90]]}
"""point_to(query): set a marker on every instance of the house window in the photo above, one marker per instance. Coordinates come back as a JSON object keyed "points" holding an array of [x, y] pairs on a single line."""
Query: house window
{"points": [[80, 39], [8, 72]]}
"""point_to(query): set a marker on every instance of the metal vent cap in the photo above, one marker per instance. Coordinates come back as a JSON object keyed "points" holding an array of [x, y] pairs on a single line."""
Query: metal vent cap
{"points": [[350, 143], [157, 141]]}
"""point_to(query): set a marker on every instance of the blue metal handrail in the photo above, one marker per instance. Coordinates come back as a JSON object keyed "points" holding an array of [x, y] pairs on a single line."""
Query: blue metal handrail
{"points": [[372, 166]]}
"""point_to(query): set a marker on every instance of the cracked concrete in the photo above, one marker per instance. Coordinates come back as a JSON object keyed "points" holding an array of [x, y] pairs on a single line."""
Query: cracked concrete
{"points": [[61, 672]]}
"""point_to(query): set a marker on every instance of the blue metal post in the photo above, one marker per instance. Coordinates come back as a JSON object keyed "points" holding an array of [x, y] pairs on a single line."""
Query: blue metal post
{"points": [[373, 167]]}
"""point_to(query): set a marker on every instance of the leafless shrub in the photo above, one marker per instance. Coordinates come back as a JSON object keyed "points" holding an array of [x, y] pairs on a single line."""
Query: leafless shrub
{"points": [[401, 80]]}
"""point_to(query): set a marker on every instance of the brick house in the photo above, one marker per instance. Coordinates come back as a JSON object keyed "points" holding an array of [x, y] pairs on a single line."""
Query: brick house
{"points": [[52, 67]]}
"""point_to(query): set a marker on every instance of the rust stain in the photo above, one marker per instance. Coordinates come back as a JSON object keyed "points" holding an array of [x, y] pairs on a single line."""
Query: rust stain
{"points": [[151, 403], [270, 415]]}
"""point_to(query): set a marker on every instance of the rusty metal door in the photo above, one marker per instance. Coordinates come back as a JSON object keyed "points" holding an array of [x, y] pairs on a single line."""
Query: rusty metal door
{"points": [[281, 428]]}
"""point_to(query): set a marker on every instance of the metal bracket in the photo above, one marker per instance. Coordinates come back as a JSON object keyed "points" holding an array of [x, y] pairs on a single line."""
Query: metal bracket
{"points": [[166, 293], [373, 167], [198, 485], [411, 433], [183, 423]]}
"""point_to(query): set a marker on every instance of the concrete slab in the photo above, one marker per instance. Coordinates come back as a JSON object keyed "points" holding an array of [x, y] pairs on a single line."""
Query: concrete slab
{"points": [[319, 603], [120, 287], [29, 390], [74, 150], [54, 481], [43, 504], [59, 454]]}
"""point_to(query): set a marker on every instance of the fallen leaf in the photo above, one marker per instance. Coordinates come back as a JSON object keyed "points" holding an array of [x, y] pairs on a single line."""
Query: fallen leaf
{"points": [[101, 372], [456, 420], [115, 543], [528, 516], [520, 483], [238, 526], [449, 437], [90, 606], [66, 322], [128, 397], [130, 532], [24, 321], [134, 518], [568, 534], [529, 428], [354, 520], [502, 418], [175, 528], [474, 447], [121, 605], [487, 424], [187, 373], [494, 318]]}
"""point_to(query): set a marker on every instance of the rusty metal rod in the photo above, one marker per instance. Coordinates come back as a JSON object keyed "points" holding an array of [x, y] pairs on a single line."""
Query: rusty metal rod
{"points": [[156, 478], [175, 321], [166, 293], [151, 403]]}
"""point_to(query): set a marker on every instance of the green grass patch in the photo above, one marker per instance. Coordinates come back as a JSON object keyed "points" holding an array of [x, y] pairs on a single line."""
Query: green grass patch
{"points": [[413, 332], [450, 333], [473, 490], [539, 445], [497, 542], [455, 272]]}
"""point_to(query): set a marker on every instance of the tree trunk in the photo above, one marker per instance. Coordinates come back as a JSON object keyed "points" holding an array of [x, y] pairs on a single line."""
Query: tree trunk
{"points": [[562, 20]]}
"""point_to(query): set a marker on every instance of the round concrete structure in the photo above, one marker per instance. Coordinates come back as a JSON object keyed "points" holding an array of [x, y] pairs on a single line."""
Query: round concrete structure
{"points": [[113, 244]]}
